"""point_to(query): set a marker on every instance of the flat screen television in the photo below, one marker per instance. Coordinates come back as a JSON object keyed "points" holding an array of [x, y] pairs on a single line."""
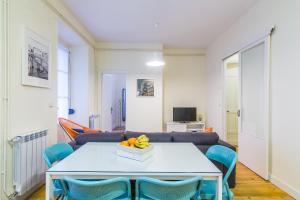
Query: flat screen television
{"points": [[184, 114]]}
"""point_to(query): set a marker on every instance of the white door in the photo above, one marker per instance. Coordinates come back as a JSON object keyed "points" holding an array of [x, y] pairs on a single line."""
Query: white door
{"points": [[254, 107], [106, 114]]}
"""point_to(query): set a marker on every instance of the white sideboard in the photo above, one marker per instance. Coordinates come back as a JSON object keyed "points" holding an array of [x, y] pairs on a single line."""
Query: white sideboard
{"points": [[185, 127]]}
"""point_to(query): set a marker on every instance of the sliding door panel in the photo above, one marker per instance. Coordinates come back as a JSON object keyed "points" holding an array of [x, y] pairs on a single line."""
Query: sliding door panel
{"points": [[253, 120]]}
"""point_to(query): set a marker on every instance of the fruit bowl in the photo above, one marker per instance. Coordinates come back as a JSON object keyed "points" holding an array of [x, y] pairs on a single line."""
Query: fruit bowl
{"points": [[135, 153], [140, 142], [135, 148]]}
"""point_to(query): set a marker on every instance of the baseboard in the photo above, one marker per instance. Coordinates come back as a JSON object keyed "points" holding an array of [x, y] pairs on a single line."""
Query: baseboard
{"points": [[30, 192], [285, 187]]}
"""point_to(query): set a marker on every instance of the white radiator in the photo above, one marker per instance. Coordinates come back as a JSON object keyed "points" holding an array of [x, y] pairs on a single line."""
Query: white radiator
{"points": [[29, 166]]}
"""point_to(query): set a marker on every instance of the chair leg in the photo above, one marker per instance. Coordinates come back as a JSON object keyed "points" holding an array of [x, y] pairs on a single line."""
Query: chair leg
{"points": [[59, 197]]}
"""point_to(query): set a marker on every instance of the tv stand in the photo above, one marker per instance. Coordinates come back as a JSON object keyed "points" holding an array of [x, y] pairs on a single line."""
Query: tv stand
{"points": [[185, 126]]}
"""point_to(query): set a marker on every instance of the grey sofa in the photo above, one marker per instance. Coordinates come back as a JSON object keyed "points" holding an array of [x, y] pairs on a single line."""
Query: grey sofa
{"points": [[201, 140]]}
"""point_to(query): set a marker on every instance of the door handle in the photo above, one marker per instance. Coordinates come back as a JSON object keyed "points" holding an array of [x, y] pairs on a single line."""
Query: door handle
{"points": [[238, 113]]}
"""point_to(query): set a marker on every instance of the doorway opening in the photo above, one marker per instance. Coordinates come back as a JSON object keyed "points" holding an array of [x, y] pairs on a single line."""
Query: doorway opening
{"points": [[114, 102], [231, 78]]}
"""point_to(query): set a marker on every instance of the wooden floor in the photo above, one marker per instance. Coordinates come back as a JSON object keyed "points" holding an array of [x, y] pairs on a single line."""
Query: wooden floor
{"points": [[249, 187]]}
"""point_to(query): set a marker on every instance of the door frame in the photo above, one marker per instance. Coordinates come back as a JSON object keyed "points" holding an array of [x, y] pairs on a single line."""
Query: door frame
{"points": [[2, 87], [4, 92], [100, 88], [224, 113]]}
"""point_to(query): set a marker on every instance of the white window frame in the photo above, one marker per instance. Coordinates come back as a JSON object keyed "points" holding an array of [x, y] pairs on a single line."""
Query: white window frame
{"points": [[68, 97]]}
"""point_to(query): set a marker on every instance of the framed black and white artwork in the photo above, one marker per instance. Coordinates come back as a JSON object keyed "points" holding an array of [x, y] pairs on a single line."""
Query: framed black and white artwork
{"points": [[36, 60], [145, 87]]}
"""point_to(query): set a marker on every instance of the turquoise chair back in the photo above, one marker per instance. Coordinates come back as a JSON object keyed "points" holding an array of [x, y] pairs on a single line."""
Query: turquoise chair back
{"points": [[56, 153], [53, 154], [223, 155], [149, 188], [227, 157], [117, 188]]}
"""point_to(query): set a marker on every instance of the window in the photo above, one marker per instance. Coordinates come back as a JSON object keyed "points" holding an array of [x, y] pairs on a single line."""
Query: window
{"points": [[63, 99]]}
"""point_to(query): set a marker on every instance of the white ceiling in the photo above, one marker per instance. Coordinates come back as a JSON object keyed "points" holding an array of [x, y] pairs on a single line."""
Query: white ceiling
{"points": [[67, 36], [182, 23]]}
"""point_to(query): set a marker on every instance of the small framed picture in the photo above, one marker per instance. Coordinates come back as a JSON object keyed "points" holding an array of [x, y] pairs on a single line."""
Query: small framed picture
{"points": [[36, 60], [145, 87]]}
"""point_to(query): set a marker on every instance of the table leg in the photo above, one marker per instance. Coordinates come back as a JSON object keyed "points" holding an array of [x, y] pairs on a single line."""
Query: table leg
{"points": [[49, 188], [219, 187]]}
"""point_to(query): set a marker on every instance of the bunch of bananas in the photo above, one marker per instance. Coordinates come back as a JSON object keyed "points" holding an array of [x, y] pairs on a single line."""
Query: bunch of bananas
{"points": [[142, 142]]}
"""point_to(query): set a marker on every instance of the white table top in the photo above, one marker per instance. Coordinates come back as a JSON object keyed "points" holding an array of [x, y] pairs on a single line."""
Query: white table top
{"points": [[167, 158]]}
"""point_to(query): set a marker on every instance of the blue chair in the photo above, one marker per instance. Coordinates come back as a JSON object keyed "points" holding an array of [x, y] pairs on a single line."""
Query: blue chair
{"points": [[54, 154], [153, 189], [227, 157], [116, 188]]}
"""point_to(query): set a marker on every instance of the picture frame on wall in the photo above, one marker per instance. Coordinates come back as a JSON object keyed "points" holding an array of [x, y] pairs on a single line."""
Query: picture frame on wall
{"points": [[145, 88], [36, 67]]}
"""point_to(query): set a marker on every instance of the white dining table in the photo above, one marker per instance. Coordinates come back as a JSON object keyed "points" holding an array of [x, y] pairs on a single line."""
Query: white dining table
{"points": [[170, 161]]}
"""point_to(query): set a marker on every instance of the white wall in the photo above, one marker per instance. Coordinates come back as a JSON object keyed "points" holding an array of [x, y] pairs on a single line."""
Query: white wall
{"points": [[183, 84], [82, 75], [2, 82], [83, 80], [143, 113], [79, 84], [93, 86], [30, 108], [69, 18], [285, 112]]}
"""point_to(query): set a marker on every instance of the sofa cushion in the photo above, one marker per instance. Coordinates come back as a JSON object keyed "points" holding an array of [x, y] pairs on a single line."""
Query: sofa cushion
{"points": [[154, 137], [196, 138], [203, 148], [99, 137], [223, 143]]}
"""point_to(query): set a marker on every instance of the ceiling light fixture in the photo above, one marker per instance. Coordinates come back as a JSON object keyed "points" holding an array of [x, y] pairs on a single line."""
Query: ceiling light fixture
{"points": [[156, 60], [155, 63]]}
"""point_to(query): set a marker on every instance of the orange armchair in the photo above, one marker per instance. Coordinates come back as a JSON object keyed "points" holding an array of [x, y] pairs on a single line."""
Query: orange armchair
{"points": [[73, 129]]}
